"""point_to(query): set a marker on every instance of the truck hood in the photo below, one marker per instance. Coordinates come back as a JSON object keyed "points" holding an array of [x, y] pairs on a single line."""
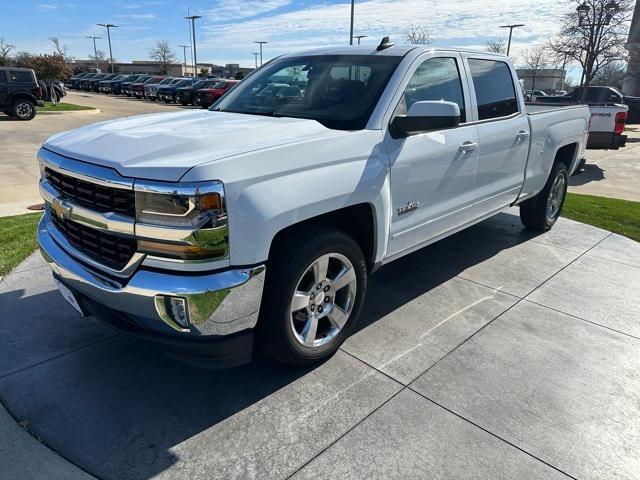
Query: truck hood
{"points": [[165, 146]]}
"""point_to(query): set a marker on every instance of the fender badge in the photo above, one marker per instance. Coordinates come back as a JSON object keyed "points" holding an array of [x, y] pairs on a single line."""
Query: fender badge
{"points": [[409, 207]]}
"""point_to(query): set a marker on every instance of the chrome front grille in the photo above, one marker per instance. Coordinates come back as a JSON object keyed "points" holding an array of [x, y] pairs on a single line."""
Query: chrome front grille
{"points": [[91, 195], [111, 250]]}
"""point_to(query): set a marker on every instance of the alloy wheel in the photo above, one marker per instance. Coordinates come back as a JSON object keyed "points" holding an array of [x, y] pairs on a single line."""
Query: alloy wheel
{"points": [[323, 300]]}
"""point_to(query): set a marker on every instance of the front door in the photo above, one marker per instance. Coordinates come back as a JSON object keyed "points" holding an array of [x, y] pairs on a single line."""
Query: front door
{"points": [[432, 173]]}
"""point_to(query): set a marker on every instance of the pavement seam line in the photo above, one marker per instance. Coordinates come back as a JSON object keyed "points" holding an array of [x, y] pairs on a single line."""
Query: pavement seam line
{"points": [[493, 434], [56, 357], [582, 319], [317, 455], [614, 261]]}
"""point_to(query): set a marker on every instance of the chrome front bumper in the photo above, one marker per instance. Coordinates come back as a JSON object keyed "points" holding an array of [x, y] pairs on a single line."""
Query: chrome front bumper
{"points": [[218, 304]]}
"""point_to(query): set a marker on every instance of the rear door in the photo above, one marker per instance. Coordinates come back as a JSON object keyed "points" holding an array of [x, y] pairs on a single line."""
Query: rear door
{"points": [[503, 130], [433, 173]]}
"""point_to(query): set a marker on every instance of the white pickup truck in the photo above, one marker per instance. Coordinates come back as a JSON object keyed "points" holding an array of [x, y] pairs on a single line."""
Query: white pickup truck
{"points": [[263, 216]]}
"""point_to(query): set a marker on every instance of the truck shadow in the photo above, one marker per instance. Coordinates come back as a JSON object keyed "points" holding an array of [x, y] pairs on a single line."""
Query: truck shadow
{"points": [[118, 407], [591, 173]]}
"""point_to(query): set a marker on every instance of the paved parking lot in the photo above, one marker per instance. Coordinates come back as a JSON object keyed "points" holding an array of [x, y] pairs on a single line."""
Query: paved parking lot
{"points": [[494, 354], [19, 142]]}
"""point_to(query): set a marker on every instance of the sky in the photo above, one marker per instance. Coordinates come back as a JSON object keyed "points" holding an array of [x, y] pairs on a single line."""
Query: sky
{"points": [[228, 28]]}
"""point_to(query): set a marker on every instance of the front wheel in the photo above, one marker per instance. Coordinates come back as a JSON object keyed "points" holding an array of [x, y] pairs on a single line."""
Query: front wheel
{"points": [[23, 110], [316, 283], [542, 211]]}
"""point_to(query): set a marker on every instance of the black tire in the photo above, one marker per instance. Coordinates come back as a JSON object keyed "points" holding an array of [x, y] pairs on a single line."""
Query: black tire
{"points": [[23, 110], [184, 103], [536, 213], [288, 263]]}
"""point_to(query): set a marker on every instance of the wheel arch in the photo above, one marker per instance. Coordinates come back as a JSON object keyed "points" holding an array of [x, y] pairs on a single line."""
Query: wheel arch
{"points": [[358, 221]]}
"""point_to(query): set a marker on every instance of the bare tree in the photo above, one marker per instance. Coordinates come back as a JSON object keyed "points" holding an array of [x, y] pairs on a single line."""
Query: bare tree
{"points": [[420, 35], [496, 46], [5, 50], [100, 59], [535, 59], [161, 52], [611, 75], [59, 48], [595, 39]]}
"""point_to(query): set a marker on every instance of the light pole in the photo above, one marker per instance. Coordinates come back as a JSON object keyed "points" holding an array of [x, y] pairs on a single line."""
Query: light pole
{"points": [[184, 54], [594, 35], [95, 50], [359, 37], [353, 6], [511, 27], [109, 26], [193, 19], [255, 57], [260, 42]]}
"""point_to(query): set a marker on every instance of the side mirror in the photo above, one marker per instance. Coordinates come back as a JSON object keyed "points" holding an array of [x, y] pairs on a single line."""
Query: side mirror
{"points": [[425, 117]]}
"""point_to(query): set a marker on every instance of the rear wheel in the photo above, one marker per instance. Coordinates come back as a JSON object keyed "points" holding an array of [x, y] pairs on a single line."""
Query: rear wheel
{"points": [[542, 211], [23, 110], [316, 283], [184, 103]]}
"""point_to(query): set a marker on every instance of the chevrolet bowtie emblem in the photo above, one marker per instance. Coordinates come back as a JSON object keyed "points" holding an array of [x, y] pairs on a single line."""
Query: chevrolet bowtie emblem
{"points": [[61, 209]]}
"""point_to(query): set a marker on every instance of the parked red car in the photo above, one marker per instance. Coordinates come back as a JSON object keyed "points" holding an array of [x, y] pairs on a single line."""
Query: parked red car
{"points": [[137, 89], [205, 97]]}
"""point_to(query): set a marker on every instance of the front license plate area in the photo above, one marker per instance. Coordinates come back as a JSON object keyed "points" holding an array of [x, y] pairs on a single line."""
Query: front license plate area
{"points": [[69, 296]]}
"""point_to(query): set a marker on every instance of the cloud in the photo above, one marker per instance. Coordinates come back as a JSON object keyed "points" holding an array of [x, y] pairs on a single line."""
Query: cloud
{"points": [[138, 16], [227, 10], [320, 24], [46, 7]]}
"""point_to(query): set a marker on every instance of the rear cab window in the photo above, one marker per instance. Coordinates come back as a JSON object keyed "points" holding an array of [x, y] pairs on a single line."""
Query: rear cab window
{"points": [[3, 76], [21, 76], [495, 91]]}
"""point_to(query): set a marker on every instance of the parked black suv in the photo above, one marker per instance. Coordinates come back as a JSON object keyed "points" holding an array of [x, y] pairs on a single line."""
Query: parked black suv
{"points": [[19, 92]]}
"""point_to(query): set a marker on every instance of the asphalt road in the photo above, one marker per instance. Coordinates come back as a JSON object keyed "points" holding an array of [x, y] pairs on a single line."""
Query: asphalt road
{"points": [[20, 141], [493, 354]]}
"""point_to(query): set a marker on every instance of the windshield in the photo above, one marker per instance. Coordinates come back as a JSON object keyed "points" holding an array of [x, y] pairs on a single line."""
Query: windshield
{"points": [[183, 83], [165, 81], [339, 91], [219, 85]]}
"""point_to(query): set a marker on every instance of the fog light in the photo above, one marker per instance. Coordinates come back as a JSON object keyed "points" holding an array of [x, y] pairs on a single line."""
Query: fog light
{"points": [[173, 311]]}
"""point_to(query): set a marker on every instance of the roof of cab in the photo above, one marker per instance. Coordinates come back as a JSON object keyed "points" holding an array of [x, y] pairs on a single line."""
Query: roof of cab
{"points": [[395, 50]]}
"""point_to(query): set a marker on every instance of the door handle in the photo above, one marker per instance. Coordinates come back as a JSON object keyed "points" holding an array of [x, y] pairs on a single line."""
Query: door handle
{"points": [[468, 147], [522, 134]]}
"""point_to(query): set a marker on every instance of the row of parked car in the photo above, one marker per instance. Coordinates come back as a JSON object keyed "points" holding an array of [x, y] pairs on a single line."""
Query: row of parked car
{"points": [[202, 92]]}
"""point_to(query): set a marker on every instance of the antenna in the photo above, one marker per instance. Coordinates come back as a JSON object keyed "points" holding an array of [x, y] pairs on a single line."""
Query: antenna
{"points": [[385, 43]]}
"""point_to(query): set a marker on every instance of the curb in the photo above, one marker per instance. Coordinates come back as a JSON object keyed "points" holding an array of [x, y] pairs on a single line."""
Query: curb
{"points": [[75, 112]]}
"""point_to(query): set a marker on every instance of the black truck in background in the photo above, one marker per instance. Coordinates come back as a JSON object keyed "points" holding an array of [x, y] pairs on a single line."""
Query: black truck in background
{"points": [[599, 95], [20, 92]]}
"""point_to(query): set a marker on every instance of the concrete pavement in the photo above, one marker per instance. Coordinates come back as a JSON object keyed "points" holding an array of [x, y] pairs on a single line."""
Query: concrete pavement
{"points": [[612, 173], [496, 353], [20, 141]]}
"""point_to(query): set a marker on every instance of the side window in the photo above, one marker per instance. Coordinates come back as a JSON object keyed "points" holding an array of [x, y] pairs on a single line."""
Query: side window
{"points": [[3, 77], [22, 76], [436, 79], [495, 93]]}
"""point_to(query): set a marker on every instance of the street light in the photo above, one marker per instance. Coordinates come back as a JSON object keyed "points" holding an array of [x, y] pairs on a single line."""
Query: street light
{"points": [[109, 26], [193, 19], [359, 37], [95, 50], [255, 57], [260, 42], [511, 27], [583, 13], [353, 6], [184, 53]]}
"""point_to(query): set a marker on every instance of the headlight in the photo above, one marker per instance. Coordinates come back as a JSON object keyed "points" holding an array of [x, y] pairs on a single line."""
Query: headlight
{"points": [[184, 221]]}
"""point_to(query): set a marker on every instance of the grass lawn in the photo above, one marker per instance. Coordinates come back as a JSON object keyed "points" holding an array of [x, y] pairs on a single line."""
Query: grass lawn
{"points": [[618, 216], [17, 240], [63, 107]]}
